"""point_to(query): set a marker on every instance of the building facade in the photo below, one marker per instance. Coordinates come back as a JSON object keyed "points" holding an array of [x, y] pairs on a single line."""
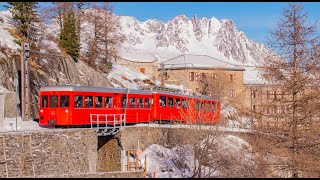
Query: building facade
{"points": [[206, 75], [143, 65]]}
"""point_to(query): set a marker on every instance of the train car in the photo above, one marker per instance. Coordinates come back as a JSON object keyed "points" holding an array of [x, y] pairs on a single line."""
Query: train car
{"points": [[75, 105], [169, 106], [83, 105]]}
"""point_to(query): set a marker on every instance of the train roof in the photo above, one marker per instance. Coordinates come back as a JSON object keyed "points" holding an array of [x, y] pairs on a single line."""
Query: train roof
{"points": [[92, 89], [115, 90]]}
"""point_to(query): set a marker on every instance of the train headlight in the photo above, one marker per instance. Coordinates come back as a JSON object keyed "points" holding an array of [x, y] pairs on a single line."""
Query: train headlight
{"points": [[41, 110], [66, 111]]}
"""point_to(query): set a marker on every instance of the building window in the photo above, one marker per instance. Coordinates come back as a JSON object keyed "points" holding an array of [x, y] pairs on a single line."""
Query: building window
{"points": [[254, 93], [201, 76], [232, 93], [271, 95], [191, 76], [279, 109], [213, 77], [197, 78], [231, 77], [142, 70]]}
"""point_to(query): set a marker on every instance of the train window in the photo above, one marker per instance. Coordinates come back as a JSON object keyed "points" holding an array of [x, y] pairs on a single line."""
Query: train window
{"points": [[202, 106], [124, 102], [163, 101], [147, 102], [78, 101], [64, 101], [98, 101], [196, 105], [44, 101], [53, 101], [170, 102], [140, 102], [208, 107], [214, 107], [89, 101], [184, 104], [108, 102], [132, 102], [178, 102]]}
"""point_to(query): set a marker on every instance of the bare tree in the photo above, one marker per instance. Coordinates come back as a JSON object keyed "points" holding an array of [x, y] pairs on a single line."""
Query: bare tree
{"points": [[57, 11], [106, 34], [295, 68]]}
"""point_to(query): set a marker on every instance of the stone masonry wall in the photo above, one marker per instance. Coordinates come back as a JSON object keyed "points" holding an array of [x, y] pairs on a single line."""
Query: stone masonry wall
{"points": [[55, 152], [109, 155], [167, 137], [136, 174]]}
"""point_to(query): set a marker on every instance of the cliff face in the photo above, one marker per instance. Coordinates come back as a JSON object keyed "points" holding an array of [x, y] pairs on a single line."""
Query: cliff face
{"points": [[49, 71]]}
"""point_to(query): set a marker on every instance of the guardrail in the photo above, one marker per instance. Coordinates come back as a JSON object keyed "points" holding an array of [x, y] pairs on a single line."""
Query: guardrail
{"points": [[107, 124]]}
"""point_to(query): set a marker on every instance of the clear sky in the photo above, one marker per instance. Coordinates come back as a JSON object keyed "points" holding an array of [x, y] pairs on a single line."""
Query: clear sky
{"points": [[253, 18]]}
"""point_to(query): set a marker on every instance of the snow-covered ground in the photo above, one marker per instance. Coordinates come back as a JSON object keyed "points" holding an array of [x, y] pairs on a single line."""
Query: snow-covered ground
{"points": [[178, 161], [9, 125]]}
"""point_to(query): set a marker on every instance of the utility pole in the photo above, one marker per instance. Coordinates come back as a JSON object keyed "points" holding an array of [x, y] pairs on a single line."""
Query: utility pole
{"points": [[25, 103], [161, 74]]}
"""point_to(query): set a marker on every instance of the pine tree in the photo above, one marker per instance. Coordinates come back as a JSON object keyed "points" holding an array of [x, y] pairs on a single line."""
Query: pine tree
{"points": [[25, 17], [69, 36]]}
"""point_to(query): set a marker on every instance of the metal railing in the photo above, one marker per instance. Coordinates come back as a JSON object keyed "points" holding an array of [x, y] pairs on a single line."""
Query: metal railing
{"points": [[107, 124]]}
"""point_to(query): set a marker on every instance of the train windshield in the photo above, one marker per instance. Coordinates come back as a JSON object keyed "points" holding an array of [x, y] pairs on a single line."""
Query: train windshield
{"points": [[53, 101], [44, 101]]}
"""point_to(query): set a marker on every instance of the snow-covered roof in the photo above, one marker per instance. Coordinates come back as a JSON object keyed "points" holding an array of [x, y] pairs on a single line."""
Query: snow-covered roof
{"points": [[138, 57], [198, 61]]}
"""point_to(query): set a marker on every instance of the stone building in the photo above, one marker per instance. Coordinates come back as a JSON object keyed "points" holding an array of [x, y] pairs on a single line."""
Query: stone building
{"points": [[144, 63], [197, 71]]}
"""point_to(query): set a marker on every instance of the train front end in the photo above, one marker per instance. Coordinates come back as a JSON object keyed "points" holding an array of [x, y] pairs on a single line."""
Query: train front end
{"points": [[54, 107]]}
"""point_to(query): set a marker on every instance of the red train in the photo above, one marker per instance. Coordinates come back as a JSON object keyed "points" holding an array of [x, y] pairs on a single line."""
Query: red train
{"points": [[83, 105]]}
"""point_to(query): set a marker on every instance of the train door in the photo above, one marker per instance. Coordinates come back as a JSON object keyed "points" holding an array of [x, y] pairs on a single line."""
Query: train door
{"points": [[63, 110], [171, 109], [178, 109], [44, 108], [163, 107]]}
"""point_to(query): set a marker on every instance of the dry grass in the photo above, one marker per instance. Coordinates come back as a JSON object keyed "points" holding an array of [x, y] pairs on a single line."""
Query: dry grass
{"points": [[13, 32]]}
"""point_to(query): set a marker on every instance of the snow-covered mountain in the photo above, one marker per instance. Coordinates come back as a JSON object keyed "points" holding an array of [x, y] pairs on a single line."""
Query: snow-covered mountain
{"points": [[181, 35]]}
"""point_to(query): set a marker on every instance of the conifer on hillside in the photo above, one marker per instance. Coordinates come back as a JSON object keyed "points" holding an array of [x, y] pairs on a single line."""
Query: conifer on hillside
{"points": [[24, 18], [69, 36]]}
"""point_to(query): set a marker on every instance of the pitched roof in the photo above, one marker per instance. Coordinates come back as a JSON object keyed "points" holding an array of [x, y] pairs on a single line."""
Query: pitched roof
{"points": [[191, 61]]}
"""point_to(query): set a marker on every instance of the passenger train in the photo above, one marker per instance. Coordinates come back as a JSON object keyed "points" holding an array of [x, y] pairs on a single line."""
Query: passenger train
{"points": [[69, 105]]}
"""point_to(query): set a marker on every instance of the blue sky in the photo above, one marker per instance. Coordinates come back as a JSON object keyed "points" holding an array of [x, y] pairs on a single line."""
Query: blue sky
{"points": [[253, 18]]}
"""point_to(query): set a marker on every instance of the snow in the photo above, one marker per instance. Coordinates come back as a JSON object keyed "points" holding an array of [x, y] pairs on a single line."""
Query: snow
{"points": [[127, 77], [3, 90], [178, 161], [5, 37], [140, 57], [50, 45], [9, 125], [252, 76], [189, 60]]}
